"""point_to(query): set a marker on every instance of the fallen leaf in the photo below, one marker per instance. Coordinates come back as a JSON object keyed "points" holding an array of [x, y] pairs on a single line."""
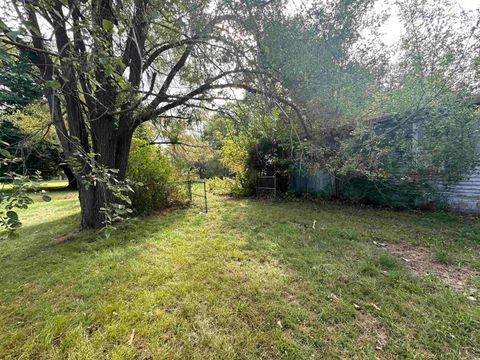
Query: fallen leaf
{"points": [[132, 336]]}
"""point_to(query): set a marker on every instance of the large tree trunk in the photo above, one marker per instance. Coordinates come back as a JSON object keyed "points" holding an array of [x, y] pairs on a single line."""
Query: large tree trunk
{"points": [[72, 180], [94, 198]]}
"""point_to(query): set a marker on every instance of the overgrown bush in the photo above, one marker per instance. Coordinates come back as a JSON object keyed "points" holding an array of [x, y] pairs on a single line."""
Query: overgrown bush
{"points": [[220, 186], [151, 173], [390, 193], [228, 186]]}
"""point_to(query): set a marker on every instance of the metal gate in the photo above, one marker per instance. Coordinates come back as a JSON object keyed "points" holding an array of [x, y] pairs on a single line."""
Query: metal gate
{"points": [[196, 193], [266, 187]]}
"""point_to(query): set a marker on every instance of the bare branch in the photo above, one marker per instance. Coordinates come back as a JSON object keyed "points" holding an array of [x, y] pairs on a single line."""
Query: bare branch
{"points": [[178, 143]]}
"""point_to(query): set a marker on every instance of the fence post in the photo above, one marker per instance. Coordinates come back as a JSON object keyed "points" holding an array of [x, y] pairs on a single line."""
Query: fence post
{"points": [[274, 186], [190, 191], [205, 195]]}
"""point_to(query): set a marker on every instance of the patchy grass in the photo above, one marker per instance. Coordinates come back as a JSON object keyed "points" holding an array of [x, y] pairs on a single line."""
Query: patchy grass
{"points": [[470, 232], [250, 279], [443, 257]]}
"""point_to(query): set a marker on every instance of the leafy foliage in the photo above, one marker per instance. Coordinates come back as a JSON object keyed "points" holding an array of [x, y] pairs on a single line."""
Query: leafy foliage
{"points": [[37, 152], [321, 80], [251, 139], [17, 87], [222, 186], [318, 75], [387, 192], [151, 173], [17, 194], [107, 69]]}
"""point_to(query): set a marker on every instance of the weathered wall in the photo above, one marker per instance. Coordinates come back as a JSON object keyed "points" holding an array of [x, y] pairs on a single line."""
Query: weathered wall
{"points": [[320, 182], [464, 196]]}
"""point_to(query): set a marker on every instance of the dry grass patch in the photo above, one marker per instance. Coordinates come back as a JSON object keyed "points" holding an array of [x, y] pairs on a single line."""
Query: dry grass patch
{"points": [[422, 261]]}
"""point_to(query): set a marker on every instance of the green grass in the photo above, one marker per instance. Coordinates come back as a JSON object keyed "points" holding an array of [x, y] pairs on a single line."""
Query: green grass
{"points": [[47, 185], [249, 280]]}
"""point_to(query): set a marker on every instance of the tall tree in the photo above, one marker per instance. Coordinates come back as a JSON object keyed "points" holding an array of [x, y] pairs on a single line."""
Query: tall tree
{"points": [[110, 65]]}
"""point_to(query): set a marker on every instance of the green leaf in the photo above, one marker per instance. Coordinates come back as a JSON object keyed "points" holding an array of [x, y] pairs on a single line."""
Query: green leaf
{"points": [[5, 153], [107, 232], [46, 198], [52, 84], [4, 54], [12, 215], [12, 35], [107, 25]]}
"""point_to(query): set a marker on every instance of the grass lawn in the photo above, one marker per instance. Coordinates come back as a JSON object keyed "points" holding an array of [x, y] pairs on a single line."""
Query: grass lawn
{"points": [[250, 279], [47, 185]]}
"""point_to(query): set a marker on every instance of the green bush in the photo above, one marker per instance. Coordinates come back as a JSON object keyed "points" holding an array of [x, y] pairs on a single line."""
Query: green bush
{"points": [[151, 172], [220, 186], [226, 186], [390, 193]]}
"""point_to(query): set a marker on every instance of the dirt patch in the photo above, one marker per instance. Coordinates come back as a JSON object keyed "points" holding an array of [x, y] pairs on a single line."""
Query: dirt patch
{"points": [[421, 261], [372, 330], [66, 237]]}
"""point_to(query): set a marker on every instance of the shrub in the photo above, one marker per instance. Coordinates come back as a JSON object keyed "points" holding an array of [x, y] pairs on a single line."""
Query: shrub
{"points": [[151, 172], [226, 186], [220, 186], [390, 193]]}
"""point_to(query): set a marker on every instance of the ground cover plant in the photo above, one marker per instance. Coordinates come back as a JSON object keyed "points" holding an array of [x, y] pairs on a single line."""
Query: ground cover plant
{"points": [[250, 279]]}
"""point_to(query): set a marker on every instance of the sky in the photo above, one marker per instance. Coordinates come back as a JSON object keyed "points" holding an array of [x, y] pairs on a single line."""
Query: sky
{"points": [[469, 4], [392, 29]]}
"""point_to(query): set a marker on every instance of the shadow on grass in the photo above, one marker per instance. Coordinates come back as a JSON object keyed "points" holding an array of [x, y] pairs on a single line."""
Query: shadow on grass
{"points": [[54, 247], [289, 272]]}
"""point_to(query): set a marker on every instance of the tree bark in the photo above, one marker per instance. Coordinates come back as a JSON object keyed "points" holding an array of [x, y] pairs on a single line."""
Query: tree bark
{"points": [[92, 200], [113, 154], [72, 180]]}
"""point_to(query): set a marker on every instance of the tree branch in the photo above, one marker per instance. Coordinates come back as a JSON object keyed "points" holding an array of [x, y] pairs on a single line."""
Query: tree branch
{"points": [[178, 143]]}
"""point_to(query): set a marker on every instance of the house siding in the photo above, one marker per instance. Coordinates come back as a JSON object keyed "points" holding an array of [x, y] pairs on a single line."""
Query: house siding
{"points": [[321, 182], [464, 196]]}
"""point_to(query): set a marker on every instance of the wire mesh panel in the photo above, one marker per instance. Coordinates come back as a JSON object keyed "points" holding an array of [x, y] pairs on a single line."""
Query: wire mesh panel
{"points": [[266, 187]]}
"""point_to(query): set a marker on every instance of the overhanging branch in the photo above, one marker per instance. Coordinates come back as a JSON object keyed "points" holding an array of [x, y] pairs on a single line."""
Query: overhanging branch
{"points": [[178, 143]]}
